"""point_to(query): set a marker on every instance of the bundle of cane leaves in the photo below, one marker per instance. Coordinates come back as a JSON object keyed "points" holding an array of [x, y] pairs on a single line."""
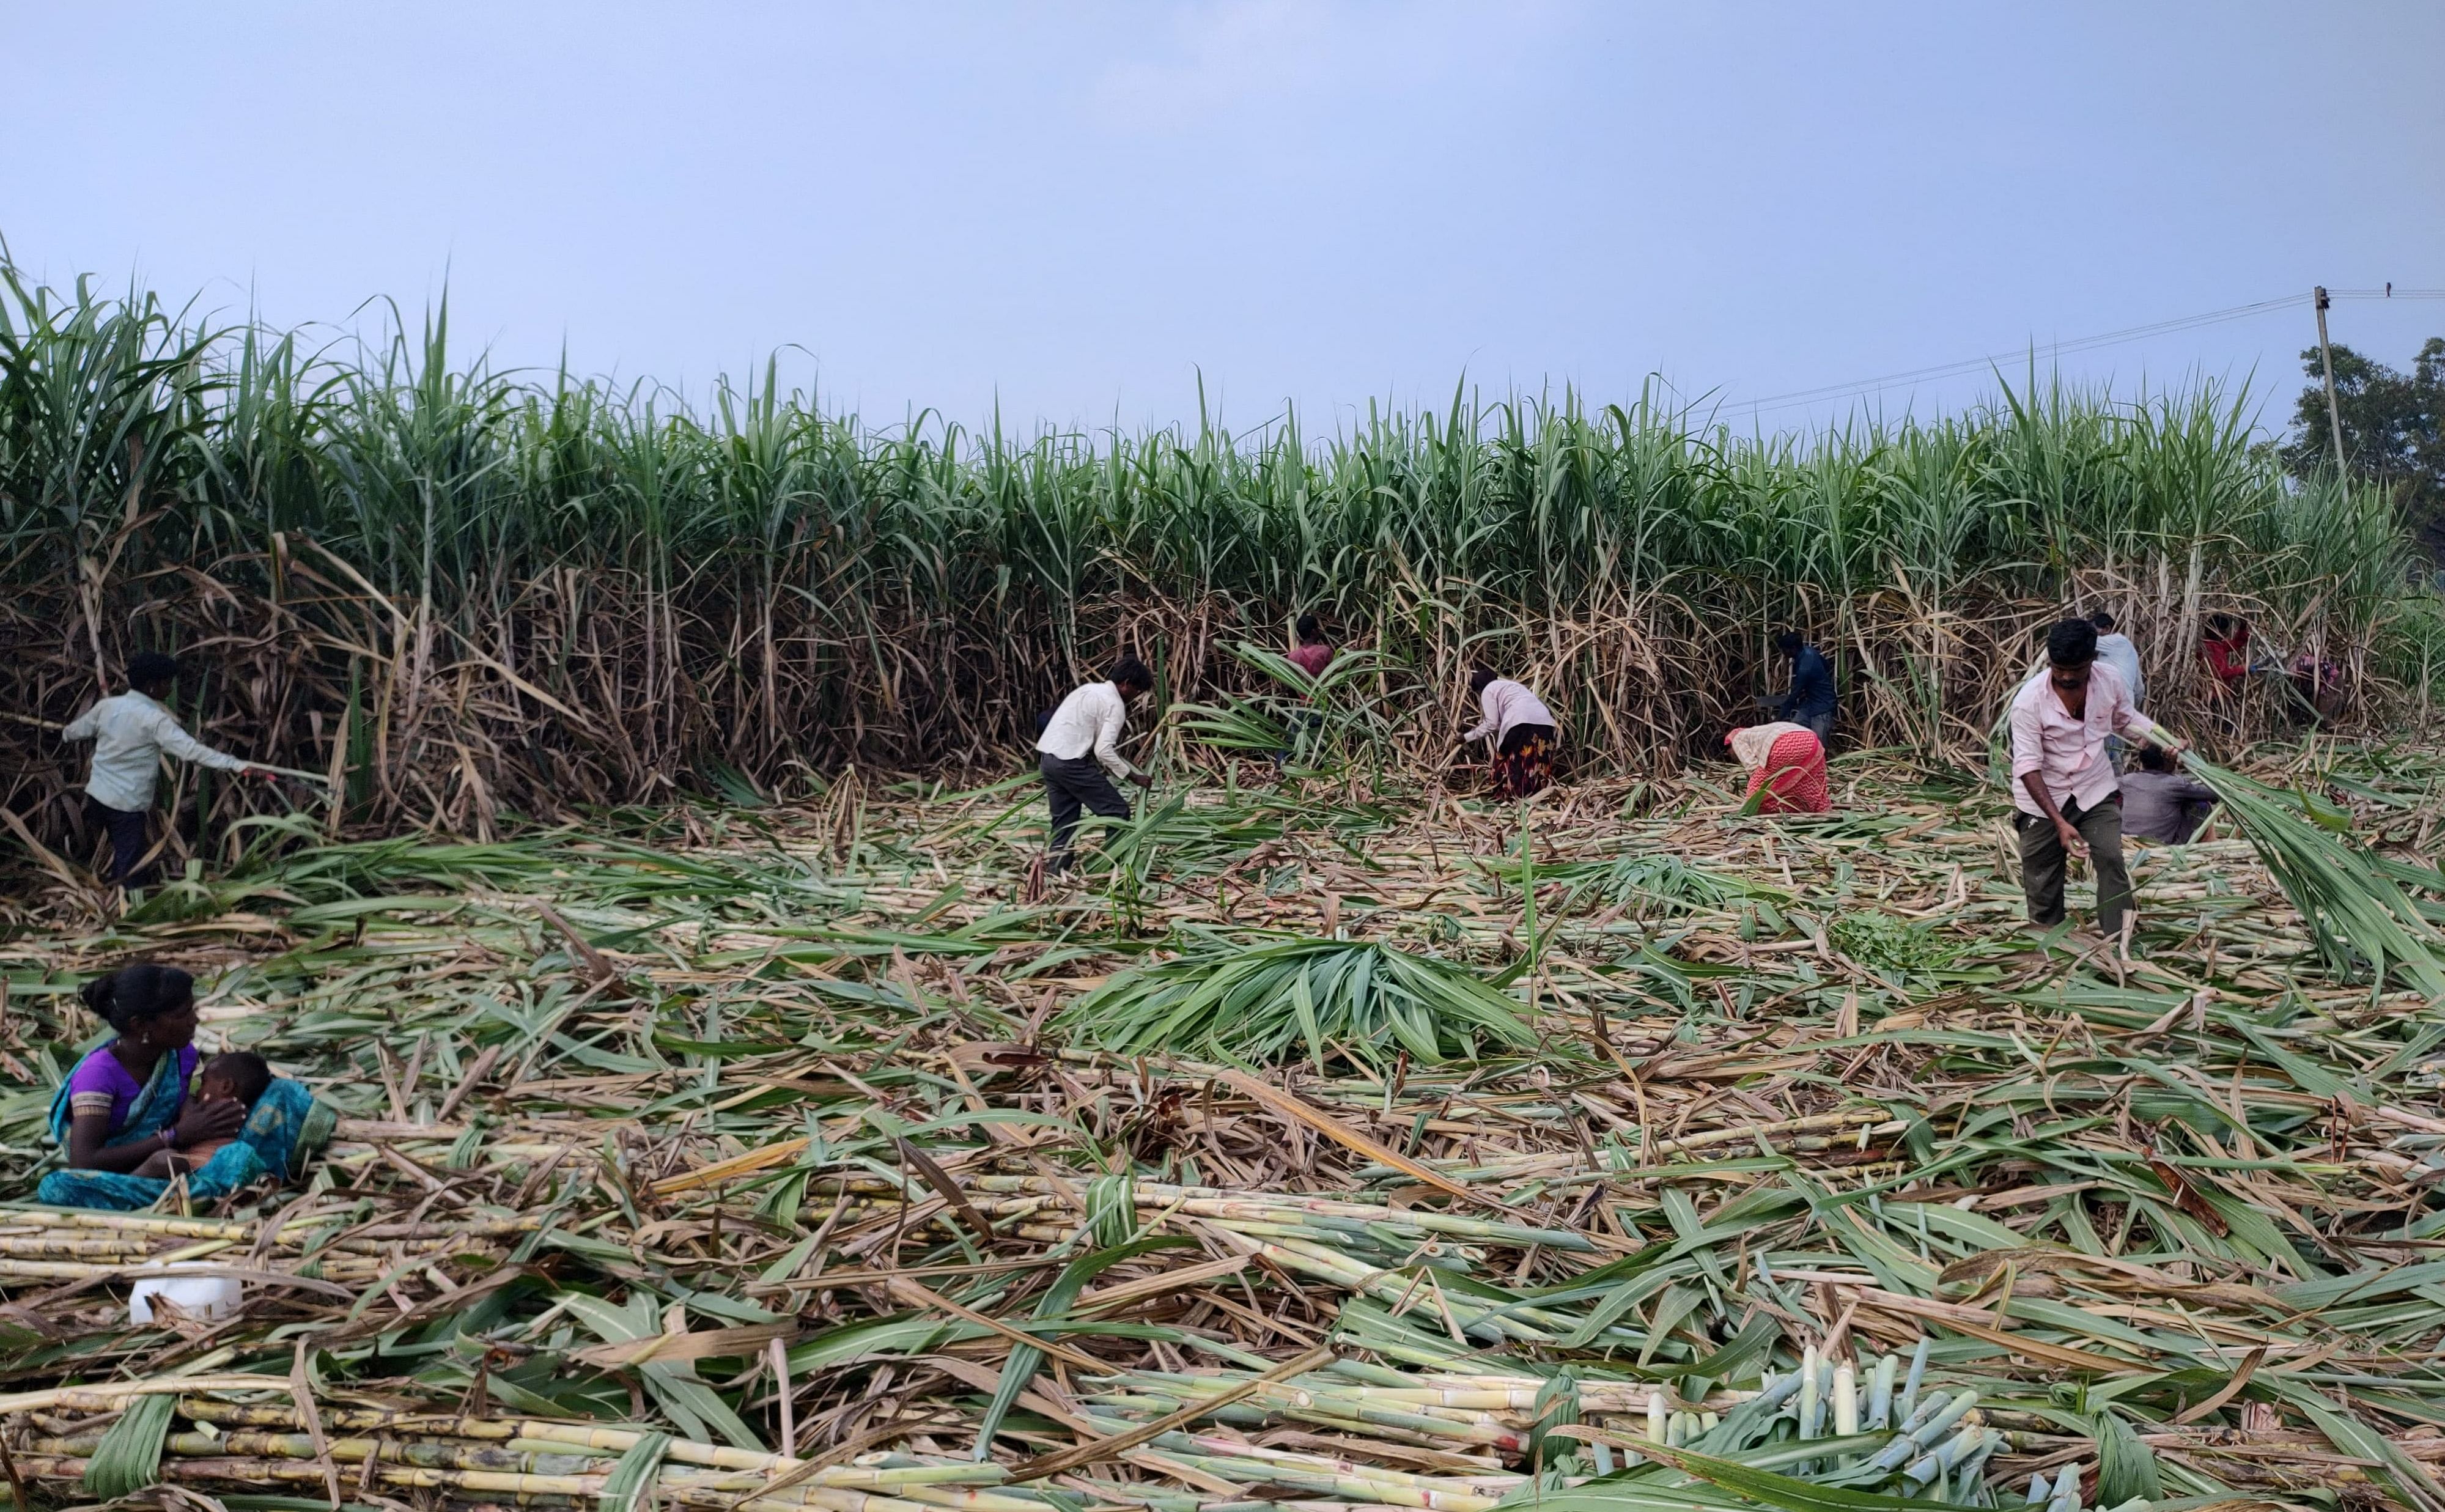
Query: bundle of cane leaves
{"points": [[1882, 941], [2351, 903], [1315, 722], [1652, 879], [1264, 1003], [1823, 1436], [129, 1456]]}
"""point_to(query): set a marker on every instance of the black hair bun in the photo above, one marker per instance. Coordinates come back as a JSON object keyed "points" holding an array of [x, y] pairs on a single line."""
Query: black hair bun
{"points": [[137, 991]]}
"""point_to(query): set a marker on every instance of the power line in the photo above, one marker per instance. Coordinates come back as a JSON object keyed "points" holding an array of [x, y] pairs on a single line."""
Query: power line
{"points": [[2079, 343]]}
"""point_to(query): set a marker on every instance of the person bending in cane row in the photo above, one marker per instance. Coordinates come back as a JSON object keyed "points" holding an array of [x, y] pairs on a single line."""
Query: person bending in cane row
{"points": [[1525, 736], [1081, 743]]}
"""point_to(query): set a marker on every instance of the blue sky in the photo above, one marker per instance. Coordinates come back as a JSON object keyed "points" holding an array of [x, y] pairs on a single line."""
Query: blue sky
{"points": [[1075, 211]]}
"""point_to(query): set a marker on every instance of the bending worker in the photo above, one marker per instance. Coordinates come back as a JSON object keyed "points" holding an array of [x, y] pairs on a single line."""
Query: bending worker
{"points": [[1080, 743], [2069, 799]]}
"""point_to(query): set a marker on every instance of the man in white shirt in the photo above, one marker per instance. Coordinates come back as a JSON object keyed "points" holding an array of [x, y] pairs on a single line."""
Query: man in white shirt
{"points": [[2069, 799], [1080, 743], [130, 733], [2115, 651]]}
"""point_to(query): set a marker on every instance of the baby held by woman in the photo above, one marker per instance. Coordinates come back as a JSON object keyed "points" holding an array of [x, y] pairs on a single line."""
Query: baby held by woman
{"points": [[239, 1077]]}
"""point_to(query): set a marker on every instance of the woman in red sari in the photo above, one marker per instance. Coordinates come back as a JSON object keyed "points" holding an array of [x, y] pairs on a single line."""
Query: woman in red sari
{"points": [[1786, 765]]}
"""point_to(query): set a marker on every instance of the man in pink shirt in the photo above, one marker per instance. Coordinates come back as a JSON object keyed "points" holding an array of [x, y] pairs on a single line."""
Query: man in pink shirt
{"points": [[2062, 781]]}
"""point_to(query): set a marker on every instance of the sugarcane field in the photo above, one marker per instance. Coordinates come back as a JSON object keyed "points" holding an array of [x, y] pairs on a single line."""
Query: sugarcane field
{"points": [[690, 1065], [1193, 757]]}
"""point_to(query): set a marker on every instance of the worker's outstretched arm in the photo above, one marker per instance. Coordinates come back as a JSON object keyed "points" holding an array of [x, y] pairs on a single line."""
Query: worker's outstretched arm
{"points": [[2133, 725], [1108, 744], [84, 726], [1488, 724], [172, 738]]}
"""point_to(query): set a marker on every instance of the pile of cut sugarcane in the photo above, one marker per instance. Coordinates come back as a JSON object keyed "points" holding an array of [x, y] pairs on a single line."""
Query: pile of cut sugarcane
{"points": [[761, 1169]]}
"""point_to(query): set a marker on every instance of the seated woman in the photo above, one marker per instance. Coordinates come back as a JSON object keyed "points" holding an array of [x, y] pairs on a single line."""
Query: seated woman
{"points": [[1786, 765], [126, 1105]]}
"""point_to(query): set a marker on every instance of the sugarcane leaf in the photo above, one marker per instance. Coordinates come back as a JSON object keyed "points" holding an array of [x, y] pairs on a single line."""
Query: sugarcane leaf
{"points": [[1025, 1360], [2410, 1480], [1786, 1492], [634, 1473], [2126, 1468], [1672, 1308], [1303, 1012], [695, 1405], [129, 1456], [1733, 1360]]}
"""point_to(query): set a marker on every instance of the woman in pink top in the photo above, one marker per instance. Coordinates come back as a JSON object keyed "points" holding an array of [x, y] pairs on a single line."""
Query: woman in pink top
{"points": [[1314, 653], [1526, 738]]}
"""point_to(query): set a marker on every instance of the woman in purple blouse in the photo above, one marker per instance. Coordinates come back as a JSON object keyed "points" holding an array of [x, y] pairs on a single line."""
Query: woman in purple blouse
{"points": [[127, 1100]]}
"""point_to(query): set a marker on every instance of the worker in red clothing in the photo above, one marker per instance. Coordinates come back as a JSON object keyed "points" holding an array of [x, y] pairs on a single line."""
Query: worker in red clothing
{"points": [[1312, 654], [2224, 645]]}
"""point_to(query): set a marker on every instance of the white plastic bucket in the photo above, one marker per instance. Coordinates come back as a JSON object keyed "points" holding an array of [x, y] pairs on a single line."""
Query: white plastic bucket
{"points": [[194, 1296]]}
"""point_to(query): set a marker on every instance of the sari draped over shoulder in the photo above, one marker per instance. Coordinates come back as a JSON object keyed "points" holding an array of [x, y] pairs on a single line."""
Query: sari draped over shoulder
{"points": [[285, 1126], [154, 1108]]}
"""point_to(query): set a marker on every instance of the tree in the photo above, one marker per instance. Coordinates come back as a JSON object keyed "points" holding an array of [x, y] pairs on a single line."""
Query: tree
{"points": [[2394, 428]]}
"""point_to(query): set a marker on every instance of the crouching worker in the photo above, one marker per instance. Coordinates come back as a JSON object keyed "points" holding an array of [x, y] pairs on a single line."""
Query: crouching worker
{"points": [[2064, 784], [1522, 729], [125, 1112], [1080, 744], [1786, 767], [2162, 802]]}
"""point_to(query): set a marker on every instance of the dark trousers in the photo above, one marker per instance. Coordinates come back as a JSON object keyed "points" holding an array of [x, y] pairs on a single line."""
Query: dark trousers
{"points": [[1820, 725], [1297, 726], [130, 837], [2042, 865], [1070, 786]]}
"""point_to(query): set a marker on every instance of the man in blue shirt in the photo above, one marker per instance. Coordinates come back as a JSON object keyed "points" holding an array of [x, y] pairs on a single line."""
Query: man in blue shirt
{"points": [[1810, 702]]}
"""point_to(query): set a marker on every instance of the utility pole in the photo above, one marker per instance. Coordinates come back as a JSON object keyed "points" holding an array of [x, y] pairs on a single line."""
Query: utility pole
{"points": [[2326, 355]]}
